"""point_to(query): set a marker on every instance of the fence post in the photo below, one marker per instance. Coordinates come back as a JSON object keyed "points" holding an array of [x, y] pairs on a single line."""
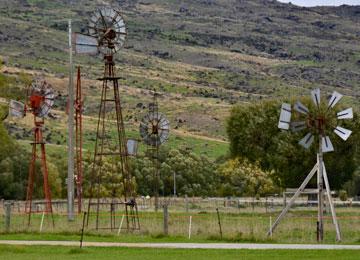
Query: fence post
{"points": [[218, 215], [166, 220], [186, 203], [190, 222], [7, 206]]}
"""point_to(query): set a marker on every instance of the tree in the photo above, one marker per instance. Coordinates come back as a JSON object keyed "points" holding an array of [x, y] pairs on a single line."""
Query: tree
{"points": [[239, 177], [253, 134], [195, 175], [13, 167]]}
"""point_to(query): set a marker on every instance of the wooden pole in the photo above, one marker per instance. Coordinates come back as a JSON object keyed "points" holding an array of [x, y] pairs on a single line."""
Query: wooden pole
{"points": [[7, 206], [166, 220], [70, 176]]}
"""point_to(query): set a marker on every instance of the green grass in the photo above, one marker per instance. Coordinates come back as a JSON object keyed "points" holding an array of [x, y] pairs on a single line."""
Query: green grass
{"points": [[59, 252], [237, 227]]}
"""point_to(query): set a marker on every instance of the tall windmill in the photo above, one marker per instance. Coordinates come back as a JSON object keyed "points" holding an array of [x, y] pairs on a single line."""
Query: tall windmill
{"points": [[106, 35], [154, 130], [40, 99], [319, 121]]}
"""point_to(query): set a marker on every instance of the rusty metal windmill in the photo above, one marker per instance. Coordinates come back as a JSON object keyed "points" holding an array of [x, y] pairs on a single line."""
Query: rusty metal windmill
{"points": [[40, 99], [320, 121], [154, 131], [106, 35]]}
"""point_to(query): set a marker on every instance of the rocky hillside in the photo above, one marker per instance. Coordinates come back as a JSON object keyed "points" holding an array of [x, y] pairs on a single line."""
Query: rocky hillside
{"points": [[204, 55]]}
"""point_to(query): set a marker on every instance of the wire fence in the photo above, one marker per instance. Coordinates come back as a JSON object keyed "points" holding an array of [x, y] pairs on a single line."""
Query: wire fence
{"points": [[239, 219]]}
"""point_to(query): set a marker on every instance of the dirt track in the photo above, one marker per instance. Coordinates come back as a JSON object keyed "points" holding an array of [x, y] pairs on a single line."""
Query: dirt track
{"points": [[186, 245]]}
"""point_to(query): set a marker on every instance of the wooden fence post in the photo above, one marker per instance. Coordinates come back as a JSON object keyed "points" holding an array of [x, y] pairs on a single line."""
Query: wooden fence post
{"points": [[166, 220], [7, 206]]}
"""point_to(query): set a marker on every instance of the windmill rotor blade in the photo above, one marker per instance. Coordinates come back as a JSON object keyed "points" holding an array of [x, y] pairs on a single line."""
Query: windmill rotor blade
{"points": [[114, 18], [334, 99], [102, 18], [299, 107], [326, 144], [345, 114], [315, 95], [343, 133], [298, 126], [306, 141], [285, 116]]}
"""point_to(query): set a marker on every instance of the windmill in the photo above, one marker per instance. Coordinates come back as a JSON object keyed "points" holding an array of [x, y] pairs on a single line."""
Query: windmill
{"points": [[106, 35], [319, 122], [40, 99], [154, 131]]}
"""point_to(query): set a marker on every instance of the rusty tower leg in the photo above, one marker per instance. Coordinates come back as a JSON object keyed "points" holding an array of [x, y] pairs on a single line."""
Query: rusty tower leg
{"points": [[38, 140]]}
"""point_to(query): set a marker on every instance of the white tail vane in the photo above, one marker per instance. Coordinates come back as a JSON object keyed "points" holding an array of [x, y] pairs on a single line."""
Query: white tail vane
{"points": [[285, 116], [315, 95], [326, 144], [299, 107], [132, 146], [345, 114], [343, 133], [16, 109], [84, 44], [306, 141], [334, 99]]}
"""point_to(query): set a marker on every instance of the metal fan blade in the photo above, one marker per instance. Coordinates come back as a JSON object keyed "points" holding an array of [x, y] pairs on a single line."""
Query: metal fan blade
{"points": [[307, 140], [315, 95], [285, 116], [299, 107], [16, 109], [345, 114], [326, 144], [343, 133], [297, 126], [334, 99]]}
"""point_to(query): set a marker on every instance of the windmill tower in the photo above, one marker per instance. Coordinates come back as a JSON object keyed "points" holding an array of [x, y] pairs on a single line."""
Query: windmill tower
{"points": [[107, 34], [154, 131], [78, 107], [40, 100], [318, 121]]}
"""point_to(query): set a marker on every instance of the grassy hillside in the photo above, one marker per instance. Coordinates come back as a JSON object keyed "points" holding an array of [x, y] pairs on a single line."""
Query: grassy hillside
{"points": [[202, 55]]}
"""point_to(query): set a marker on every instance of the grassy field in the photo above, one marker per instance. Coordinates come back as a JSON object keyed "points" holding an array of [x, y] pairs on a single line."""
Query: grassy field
{"points": [[238, 225], [51, 252]]}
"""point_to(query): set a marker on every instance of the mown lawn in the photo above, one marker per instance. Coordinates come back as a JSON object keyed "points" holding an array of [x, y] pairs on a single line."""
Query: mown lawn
{"points": [[59, 252]]}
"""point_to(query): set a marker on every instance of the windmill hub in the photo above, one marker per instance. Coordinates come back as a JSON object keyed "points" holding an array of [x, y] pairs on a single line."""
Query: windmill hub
{"points": [[35, 101], [318, 124], [155, 129], [110, 34]]}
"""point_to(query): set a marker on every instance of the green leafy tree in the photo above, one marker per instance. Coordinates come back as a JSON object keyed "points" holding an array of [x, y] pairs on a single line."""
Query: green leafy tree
{"points": [[195, 175]]}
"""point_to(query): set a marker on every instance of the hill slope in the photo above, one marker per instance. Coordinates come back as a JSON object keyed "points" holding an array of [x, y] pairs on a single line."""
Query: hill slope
{"points": [[203, 55]]}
